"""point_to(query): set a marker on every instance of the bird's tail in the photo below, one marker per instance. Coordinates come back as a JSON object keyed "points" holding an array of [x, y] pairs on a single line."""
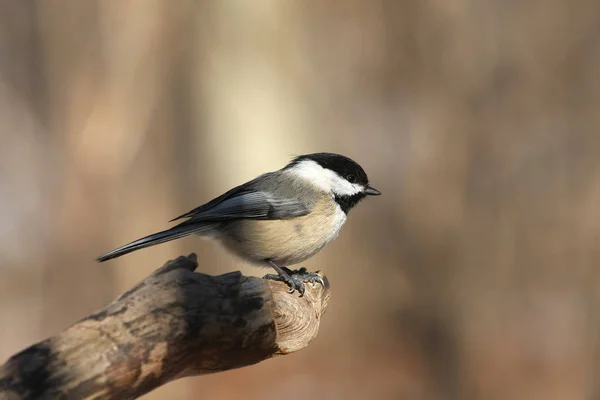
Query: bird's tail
{"points": [[176, 232]]}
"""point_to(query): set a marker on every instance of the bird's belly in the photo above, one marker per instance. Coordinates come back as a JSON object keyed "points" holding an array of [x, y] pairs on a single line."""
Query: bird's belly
{"points": [[285, 242]]}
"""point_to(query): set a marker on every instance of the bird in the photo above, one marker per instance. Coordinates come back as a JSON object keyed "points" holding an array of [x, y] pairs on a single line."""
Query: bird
{"points": [[278, 219]]}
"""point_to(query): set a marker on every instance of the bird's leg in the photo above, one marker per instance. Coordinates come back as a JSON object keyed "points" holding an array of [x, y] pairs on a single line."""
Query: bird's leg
{"points": [[293, 279], [283, 275]]}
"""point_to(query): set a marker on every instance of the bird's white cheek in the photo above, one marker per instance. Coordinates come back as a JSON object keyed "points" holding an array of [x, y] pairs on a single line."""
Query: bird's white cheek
{"points": [[342, 187]]}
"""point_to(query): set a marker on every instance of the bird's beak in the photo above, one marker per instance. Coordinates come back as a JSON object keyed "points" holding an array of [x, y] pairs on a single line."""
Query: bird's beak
{"points": [[371, 191]]}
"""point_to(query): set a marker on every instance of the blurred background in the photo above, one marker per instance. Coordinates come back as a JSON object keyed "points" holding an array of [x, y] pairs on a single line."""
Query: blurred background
{"points": [[474, 276]]}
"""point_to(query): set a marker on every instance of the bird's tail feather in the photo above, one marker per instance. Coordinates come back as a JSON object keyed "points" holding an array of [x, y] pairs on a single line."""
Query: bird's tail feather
{"points": [[176, 232]]}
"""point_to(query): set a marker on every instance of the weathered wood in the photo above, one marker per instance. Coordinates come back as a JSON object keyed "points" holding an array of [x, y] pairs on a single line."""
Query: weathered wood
{"points": [[175, 323]]}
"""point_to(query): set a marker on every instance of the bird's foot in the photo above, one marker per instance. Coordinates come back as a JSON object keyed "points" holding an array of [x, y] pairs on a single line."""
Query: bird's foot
{"points": [[295, 279], [292, 282], [309, 277]]}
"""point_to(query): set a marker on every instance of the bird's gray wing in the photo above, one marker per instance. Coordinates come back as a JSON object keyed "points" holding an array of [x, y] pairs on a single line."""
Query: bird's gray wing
{"points": [[252, 205], [240, 190]]}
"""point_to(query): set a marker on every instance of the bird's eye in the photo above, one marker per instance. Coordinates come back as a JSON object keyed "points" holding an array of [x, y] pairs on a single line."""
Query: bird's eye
{"points": [[351, 178]]}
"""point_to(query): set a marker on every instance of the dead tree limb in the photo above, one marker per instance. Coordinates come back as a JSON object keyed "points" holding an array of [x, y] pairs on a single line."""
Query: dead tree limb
{"points": [[175, 323]]}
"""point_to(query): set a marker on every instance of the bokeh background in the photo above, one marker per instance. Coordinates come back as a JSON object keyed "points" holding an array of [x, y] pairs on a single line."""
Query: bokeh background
{"points": [[474, 276]]}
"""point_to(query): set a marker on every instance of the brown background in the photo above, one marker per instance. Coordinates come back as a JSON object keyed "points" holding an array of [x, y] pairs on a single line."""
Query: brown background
{"points": [[474, 276]]}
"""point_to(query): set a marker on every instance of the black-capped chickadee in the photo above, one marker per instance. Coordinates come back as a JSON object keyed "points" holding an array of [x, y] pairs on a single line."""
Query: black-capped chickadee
{"points": [[278, 219]]}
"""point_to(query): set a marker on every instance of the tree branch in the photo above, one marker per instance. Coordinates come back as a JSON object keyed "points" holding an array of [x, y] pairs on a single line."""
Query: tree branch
{"points": [[175, 323]]}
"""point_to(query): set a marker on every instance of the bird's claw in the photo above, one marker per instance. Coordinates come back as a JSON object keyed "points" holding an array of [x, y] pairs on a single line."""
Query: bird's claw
{"points": [[293, 282], [311, 277], [295, 279]]}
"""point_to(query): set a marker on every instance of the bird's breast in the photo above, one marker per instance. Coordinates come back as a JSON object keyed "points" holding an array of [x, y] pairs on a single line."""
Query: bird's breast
{"points": [[286, 241]]}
